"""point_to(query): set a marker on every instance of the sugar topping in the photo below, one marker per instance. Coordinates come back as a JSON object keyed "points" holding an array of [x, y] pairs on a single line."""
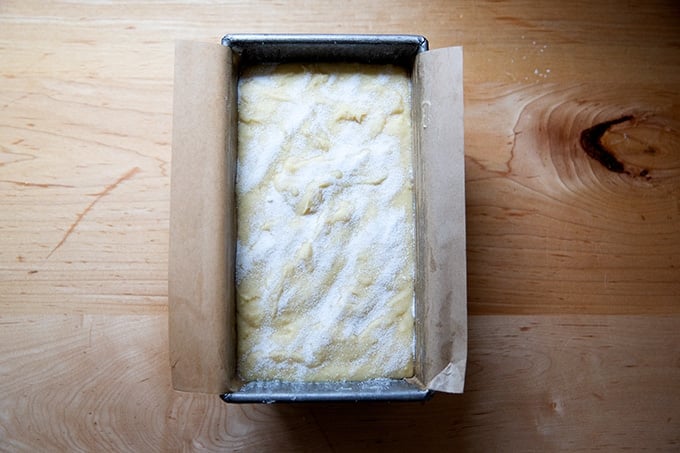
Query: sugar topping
{"points": [[325, 212]]}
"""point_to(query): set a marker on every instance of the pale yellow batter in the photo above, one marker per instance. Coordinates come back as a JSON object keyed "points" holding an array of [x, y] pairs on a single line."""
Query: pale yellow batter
{"points": [[325, 254]]}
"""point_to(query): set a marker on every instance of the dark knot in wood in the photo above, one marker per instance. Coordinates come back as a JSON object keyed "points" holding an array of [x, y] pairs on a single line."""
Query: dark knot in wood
{"points": [[591, 142]]}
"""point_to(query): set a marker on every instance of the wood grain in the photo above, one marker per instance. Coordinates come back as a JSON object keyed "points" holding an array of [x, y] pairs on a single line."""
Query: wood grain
{"points": [[94, 382], [573, 269], [553, 230]]}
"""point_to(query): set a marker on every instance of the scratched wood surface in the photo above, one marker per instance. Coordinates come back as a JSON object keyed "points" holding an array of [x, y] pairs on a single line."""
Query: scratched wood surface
{"points": [[573, 204]]}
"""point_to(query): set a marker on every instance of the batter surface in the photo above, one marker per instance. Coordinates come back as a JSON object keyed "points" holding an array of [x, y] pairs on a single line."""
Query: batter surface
{"points": [[325, 251]]}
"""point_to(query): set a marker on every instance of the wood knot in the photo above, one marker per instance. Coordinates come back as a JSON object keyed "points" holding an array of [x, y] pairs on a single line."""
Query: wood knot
{"points": [[637, 146], [591, 142]]}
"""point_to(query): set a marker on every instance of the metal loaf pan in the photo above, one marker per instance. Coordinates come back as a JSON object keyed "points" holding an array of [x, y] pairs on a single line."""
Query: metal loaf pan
{"points": [[374, 49]]}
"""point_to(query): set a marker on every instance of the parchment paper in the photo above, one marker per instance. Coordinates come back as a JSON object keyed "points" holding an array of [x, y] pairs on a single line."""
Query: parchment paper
{"points": [[202, 230]]}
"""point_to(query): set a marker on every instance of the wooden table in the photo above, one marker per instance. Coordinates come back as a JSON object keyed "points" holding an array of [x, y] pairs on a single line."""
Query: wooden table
{"points": [[573, 236]]}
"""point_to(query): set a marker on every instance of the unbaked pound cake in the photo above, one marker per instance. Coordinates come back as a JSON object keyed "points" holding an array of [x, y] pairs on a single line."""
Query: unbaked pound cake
{"points": [[325, 247]]}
